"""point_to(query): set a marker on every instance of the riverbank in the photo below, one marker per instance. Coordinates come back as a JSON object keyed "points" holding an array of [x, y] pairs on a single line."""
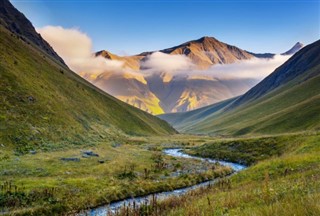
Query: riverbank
{"points": [[137, 202]]}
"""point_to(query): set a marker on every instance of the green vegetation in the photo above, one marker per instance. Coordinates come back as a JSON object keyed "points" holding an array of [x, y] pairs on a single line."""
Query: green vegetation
{"points": [[48, 115], [286, 184], [45, 105], [66, 146], [42, 183], [293, 108], [246, 151]]}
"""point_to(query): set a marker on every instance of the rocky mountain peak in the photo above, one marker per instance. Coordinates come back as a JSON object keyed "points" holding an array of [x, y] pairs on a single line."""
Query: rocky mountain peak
{"points": [[105, 54]]}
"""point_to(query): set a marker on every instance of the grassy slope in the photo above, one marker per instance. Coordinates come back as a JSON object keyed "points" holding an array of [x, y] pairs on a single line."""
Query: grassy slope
{"points": [[245, 151], [292, 107], [282, 183], [65, 109], [180, 120]]}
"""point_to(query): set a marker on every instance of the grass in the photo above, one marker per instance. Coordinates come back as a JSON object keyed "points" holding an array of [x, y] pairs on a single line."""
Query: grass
{"points": [[247, 151], [286, 184], [47, 185]]}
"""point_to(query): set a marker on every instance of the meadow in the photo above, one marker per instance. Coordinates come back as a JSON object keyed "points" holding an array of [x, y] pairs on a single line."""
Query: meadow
{"points": [[68, 180]]}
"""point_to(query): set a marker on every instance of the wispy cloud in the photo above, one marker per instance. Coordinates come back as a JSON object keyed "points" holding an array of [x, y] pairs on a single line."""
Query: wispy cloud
{"points": [[75, 47]]}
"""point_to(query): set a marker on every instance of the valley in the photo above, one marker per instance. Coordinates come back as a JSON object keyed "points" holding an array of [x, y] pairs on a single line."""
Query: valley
{"points": [[130, 169], [202, 128]]}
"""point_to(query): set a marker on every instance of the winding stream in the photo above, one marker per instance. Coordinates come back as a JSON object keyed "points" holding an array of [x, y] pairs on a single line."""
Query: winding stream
{"points": [[177, 152]]}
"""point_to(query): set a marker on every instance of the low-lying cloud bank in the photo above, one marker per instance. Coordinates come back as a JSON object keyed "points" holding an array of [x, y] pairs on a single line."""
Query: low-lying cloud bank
{"points": [[75, 47], [247, 69]]}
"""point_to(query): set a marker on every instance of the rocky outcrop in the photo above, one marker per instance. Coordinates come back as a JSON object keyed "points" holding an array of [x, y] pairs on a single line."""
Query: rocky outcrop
{"points": [[17, 23]]}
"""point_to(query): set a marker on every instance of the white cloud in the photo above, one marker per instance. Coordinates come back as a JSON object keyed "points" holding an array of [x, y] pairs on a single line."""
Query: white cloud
{"points": [[255, 68], [75, 47], [181, 65], [162, 62]]}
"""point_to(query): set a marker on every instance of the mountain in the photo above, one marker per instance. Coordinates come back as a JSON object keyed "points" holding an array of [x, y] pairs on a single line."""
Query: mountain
{"points": [[207, 51], [288, 100], [298, 46], [162, 92], [18, 24], [263, 55], [44, 104], [291, 51], [132, 62]]}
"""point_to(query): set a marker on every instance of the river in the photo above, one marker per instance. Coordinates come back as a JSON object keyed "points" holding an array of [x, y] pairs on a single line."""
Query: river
{"points": [[176, 152]]}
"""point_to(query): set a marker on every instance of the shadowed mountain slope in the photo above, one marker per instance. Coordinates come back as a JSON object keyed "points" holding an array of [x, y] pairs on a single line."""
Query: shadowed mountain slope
{"points": [[17, 23]]}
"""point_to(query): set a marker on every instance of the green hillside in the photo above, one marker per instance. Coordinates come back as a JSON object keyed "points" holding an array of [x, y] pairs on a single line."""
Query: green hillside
{"points": [[181, 120], [44, 103], [283, 179], [286, 101]]}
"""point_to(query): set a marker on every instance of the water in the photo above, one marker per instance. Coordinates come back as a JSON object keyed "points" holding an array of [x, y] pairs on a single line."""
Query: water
{"points": [[104, 210], [179, 153]]}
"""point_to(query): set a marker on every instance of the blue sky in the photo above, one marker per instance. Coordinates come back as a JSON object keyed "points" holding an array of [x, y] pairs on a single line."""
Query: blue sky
{"points": [[131, 27]]}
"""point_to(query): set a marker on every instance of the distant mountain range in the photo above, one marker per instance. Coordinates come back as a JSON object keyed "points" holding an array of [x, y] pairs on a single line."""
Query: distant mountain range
{"points": [[160, 91], [291, 51], [294, 49], [44, 104], [288, 100]]}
